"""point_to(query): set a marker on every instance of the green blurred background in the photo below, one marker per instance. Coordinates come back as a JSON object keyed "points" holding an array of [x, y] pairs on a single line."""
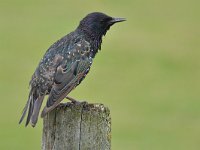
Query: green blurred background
{"points": [[148, 72]]}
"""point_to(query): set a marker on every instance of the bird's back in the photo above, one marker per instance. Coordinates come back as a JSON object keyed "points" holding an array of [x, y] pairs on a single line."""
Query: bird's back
{"points": [[64, 53], [43, 76]]}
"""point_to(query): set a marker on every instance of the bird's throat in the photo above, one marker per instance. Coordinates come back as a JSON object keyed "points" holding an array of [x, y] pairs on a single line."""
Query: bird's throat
{"points": [[93, 38]]}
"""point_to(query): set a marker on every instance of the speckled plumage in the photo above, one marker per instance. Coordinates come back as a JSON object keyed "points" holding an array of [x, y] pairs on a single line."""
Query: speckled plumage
{"points": [[65, 65]]}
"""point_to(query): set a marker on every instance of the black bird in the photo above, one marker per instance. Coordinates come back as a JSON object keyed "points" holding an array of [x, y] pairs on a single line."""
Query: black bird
{"points": [[65, 65]]}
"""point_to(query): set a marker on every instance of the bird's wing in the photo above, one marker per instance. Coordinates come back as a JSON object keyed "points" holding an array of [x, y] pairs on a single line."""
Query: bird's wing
{"points": [[66, 78]]}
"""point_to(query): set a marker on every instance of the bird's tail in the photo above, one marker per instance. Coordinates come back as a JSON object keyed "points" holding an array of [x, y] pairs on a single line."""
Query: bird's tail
{"points": [[33, 106]]}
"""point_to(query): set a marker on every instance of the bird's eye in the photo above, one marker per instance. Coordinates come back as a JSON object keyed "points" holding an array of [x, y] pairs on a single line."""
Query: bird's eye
{"points": [[104, 20]]}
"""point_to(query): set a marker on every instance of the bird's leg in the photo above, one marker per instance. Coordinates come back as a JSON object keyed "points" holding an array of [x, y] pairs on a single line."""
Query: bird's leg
{"points": [[74, 101]]}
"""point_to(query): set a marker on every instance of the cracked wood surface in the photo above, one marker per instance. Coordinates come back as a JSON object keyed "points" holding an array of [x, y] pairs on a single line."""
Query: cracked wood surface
{"points": [[77, 127]]}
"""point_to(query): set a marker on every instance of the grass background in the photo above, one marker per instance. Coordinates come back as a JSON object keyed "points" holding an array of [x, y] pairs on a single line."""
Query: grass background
{"points": [[148, 72]]}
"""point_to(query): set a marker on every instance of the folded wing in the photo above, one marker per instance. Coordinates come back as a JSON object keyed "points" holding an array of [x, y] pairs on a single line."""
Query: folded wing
{"points": [[67, 77]]}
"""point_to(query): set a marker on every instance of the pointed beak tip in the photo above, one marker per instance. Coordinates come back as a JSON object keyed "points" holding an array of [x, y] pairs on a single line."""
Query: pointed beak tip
{"points": [[115, 20]]}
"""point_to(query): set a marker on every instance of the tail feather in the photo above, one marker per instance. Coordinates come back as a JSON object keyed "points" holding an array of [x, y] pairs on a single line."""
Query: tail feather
{"points": [[26, 107], [30, 111], [36, 110], [33, 106], [24, 111]]}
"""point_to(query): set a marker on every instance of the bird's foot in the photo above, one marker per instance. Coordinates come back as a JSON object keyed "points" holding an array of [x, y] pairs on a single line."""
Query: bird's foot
{"points": [[66, 104], [74, 101]]}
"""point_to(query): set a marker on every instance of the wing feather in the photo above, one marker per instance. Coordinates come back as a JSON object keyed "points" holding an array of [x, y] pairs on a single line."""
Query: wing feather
{"points": [[65, 81]]}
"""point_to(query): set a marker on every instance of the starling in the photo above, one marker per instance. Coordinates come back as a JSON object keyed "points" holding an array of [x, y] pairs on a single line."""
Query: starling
{"points": [[65, 64]]}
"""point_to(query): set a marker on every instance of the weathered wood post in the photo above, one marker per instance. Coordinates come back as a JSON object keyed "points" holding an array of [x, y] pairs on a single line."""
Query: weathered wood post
{"points": [[77, 127]]}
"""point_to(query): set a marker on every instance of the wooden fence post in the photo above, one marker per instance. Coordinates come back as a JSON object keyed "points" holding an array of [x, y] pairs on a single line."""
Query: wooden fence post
{"points": [[77, 127]]}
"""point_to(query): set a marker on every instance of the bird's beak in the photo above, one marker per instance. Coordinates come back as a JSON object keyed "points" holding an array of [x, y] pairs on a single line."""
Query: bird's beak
{"points": [[115, 20]]}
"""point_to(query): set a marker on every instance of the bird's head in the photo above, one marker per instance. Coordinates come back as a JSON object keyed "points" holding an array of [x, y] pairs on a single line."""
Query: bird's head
{"points": [[97, 24]]}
